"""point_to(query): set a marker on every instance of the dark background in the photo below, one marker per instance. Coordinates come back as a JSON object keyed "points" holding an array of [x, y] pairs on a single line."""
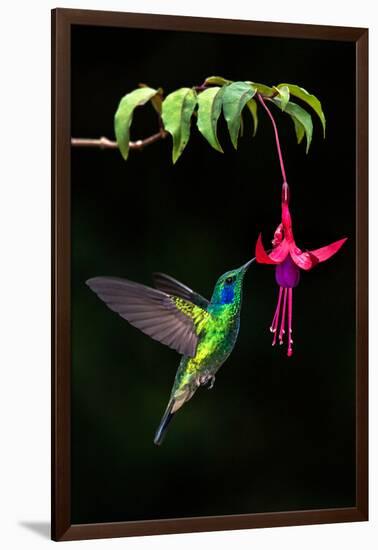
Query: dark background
{"points": [[275, 433]]}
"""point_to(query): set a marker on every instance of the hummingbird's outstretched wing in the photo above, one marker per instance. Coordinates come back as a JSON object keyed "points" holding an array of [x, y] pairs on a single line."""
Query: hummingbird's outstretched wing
{"points": [[171, 320], [168, 284]]}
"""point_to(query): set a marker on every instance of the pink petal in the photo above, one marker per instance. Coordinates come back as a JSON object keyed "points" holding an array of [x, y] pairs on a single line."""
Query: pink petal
{"points": [[278, 235], [262, 256], [280, 252], [326, 252], [304, 260]]}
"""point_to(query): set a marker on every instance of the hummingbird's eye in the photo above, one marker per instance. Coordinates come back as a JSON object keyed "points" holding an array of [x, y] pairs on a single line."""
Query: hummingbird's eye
{"points": [[229, 280]]}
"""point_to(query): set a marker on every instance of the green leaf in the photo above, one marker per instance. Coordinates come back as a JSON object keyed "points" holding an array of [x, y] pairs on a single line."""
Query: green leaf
{"points": [[241, 131], [235, 96], [310, 99], [209, 109], [124, 116], [299, 129], [157, 100], [261, 88], [284, 94], [177, 112], [301, 116], [218, 80], [252, 106]]}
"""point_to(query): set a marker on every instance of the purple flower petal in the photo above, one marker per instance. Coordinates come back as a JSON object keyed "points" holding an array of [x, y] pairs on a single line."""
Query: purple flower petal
{"points": [[287, 273]]}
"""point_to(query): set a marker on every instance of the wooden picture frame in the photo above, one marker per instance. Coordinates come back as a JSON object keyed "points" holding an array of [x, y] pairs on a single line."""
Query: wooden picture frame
{"points": [[62, 527]]}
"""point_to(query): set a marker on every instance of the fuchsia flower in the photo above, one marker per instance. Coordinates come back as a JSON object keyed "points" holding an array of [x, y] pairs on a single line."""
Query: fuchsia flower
{"points": [[289, 260]]}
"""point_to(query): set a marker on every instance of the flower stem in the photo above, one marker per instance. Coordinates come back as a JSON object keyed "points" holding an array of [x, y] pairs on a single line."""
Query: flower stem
{"points": [[277, 138]]}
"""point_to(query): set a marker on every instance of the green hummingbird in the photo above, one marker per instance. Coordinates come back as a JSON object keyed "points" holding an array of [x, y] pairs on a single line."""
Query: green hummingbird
{"points": [[203, 332]]}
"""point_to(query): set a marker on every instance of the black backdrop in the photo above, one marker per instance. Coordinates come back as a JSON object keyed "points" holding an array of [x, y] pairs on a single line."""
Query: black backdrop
{"points": [[275, 433]]}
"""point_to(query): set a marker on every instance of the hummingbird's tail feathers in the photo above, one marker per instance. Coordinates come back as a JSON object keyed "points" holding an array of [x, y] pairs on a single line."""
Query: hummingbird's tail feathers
{"points": [[176, 402], [164, 423]]}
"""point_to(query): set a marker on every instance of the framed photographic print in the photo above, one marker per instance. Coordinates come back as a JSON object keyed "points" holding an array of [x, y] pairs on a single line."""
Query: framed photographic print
{"points": [[209, 186]]}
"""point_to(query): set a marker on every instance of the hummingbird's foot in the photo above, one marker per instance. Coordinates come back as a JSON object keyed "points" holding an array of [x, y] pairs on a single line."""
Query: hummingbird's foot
{"points": [[212, 381], [207, 379]]}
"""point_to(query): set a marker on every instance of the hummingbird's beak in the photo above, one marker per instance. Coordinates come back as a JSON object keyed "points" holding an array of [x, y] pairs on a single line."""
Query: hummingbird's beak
{"points": [[246, 266]]}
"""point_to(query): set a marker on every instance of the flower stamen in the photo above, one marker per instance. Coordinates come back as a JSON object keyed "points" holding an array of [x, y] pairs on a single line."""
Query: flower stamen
{"points": [[290, 315], [283, 315], [274, 325]]}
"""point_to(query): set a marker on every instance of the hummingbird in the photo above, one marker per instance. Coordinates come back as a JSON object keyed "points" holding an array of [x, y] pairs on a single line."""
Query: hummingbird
{"points": [[203, 332]]}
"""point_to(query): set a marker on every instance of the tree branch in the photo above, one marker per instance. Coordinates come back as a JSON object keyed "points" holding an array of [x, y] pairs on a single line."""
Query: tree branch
{"points": [[105, 143]]}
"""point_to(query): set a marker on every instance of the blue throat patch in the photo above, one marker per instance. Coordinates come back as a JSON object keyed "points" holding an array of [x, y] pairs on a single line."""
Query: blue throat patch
{"points": [[227, 296]]}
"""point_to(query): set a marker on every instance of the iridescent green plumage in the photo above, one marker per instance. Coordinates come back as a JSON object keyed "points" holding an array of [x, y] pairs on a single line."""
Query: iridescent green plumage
{"points": [[203, 332]]}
